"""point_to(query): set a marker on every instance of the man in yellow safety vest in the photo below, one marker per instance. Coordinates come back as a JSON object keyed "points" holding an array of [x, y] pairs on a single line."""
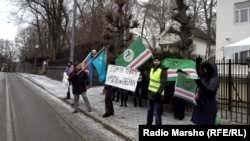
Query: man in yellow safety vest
{"points": [[157, 84]]}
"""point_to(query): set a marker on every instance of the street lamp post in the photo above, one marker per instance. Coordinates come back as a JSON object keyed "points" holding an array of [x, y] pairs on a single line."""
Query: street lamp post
{"points": [[36, 47], [72, 48]]}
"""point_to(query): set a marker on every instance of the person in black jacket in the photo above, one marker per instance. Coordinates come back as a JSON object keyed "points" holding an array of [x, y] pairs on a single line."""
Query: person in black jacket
{"points": [[137, 95], [205, 111], [79, 80], [109, 91]]}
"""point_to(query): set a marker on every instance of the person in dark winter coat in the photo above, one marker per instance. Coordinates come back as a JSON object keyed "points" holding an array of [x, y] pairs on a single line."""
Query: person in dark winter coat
{"points": [[115, 95], [79, 79], [137, 95], [179, 108], [109, 91], [124, 96], [206, 109], [157, 84]]}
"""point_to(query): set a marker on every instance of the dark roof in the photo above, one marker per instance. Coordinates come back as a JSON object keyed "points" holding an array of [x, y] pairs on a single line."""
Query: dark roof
{"points": [[201, 34]]}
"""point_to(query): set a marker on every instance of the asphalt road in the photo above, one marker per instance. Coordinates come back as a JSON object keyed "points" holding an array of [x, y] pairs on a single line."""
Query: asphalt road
{"points": [[24, 116]]}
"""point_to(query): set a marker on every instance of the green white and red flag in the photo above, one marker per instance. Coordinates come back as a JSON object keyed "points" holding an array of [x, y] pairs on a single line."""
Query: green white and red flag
{"points": [[135, 55], [185, 65], [185, 87]]}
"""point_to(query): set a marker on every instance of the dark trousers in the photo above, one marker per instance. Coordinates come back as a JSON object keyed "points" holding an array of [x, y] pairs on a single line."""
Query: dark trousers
{"points": [[68, 93], [109, 109], [115, 95], [179, 108], [124, 97], [138, 95], [154, 109]]}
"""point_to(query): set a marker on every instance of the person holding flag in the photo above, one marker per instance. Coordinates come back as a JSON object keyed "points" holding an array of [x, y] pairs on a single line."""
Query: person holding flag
{"points": [[79, 81], [87, 67], [205, 110]]}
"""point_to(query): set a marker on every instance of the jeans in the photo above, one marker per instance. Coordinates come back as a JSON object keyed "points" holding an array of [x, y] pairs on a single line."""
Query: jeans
{"points": [[138, 94], [154, 108]]}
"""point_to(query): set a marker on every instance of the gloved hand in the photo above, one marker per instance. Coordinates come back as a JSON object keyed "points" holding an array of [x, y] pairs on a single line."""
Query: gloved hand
{"points": [[158, 97], [198, 82]]}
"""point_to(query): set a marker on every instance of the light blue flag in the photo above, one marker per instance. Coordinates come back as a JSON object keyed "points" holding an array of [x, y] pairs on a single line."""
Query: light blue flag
{"points": [[87, 67], [100, 65]]}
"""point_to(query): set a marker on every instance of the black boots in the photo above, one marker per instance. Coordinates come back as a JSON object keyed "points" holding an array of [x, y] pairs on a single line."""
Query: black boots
{"points": [[124, 99], [107, 115]]}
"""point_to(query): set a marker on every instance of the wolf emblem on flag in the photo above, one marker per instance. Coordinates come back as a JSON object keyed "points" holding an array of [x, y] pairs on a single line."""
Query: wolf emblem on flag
{"points": [[128, 55]]}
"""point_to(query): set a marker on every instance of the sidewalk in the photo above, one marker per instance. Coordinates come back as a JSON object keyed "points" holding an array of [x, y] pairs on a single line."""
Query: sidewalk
{"points": [[126, 120]]}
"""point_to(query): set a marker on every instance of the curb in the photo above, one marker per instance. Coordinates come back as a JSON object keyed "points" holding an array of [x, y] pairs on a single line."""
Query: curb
{"points": [[88, 114]]}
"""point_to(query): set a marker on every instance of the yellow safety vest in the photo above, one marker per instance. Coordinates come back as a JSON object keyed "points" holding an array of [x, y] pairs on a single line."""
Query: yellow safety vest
{"points": [[154, 82]]}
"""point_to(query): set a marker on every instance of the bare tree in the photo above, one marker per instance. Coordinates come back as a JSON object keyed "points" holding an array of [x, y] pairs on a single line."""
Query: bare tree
{"points": [[54, 14], [209, 16], [91, 23], [120, 23], [8, 53], [156, 17], [184, 31]]}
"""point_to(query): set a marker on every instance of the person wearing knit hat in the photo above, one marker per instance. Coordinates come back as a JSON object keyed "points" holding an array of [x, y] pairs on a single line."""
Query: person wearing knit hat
{"points": [[157, 84], [157, 57], [75, 64]]}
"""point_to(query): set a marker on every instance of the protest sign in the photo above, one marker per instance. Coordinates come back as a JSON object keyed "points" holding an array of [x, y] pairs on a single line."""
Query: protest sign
{"points": [[122, 77]]}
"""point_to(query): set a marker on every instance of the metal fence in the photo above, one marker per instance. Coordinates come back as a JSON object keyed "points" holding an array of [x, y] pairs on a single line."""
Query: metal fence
{"points": [[233, 94], [80, 52]]}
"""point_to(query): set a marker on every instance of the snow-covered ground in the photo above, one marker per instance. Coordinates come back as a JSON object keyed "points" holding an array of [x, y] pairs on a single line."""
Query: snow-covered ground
{"points": [[125, 121]]}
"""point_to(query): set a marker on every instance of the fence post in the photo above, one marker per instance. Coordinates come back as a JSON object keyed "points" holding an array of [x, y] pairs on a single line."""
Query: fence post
{"points": [[229, 85], [248, 90], [198, 64]]}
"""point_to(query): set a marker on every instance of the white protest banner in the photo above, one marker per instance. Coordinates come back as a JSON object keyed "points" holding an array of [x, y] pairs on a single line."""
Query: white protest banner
{"points": [[122, 77]]}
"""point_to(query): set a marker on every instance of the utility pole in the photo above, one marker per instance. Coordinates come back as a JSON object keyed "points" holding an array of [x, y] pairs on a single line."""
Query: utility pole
{"points": [[72, 48]]}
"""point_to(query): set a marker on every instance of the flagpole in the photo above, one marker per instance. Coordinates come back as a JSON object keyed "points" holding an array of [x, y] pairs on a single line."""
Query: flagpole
{"points": [[93, 57], [90, 60]]}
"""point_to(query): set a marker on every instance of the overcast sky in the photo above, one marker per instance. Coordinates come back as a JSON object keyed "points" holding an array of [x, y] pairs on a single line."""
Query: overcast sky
{"points": [[7, 28]]}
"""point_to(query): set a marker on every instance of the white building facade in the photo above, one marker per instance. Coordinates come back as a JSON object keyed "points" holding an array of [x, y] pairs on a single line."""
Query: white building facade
{"points": [[233, 24]]}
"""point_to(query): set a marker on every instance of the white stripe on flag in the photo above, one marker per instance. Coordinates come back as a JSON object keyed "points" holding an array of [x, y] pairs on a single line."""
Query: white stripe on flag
{"points": [[190, 71], [146, 54], [190, 96]]}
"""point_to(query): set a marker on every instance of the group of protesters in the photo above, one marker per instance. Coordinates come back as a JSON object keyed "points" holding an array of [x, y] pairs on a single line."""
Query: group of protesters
{"points": [[204, 112]]}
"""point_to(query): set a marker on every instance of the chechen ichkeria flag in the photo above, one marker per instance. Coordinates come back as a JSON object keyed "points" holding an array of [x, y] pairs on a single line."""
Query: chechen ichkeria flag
{"points": [[185, 65], [134, 56], [185, 87]]}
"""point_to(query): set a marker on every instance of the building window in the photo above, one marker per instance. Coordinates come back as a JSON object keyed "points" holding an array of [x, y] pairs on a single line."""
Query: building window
{"points": [[241, 56], [244, 55], [242, 12]]}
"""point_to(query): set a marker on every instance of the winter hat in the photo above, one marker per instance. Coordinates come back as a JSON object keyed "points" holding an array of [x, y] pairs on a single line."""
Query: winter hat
{"points": [[157, 57], [76, 63]]}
